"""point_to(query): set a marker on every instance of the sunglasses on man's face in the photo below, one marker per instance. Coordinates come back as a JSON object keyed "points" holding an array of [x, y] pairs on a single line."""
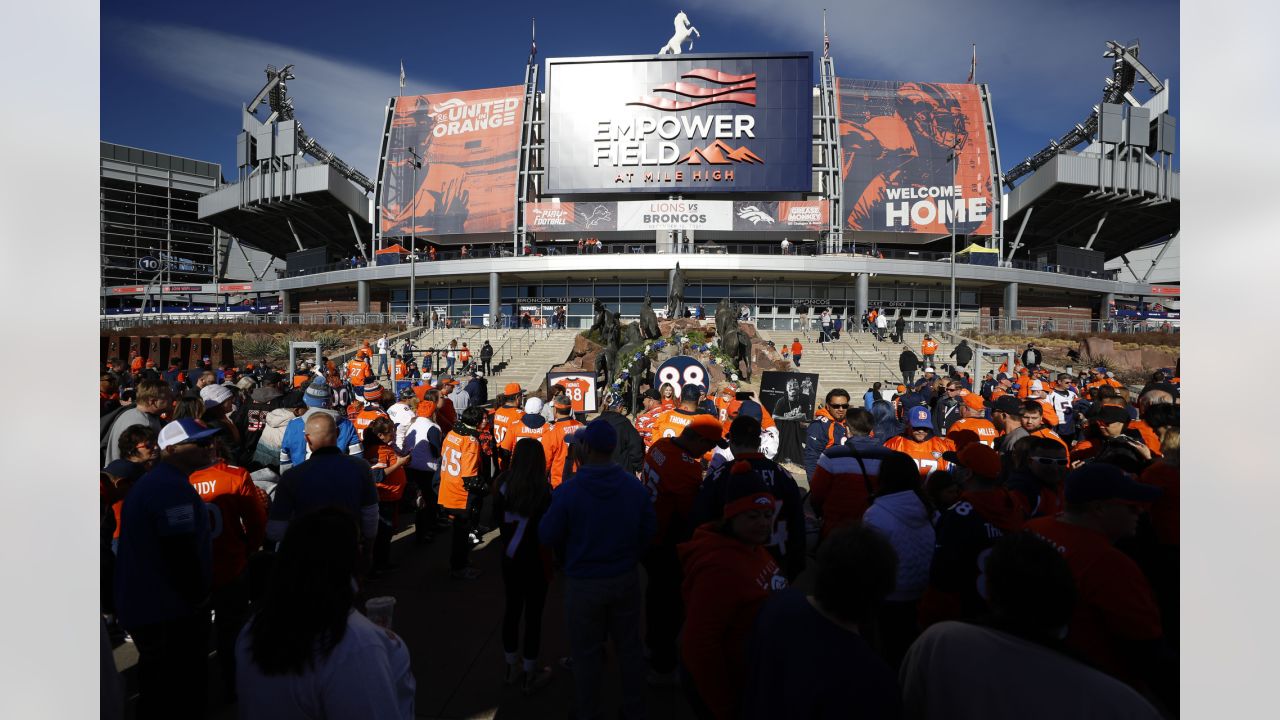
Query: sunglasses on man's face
{"points": [[834, 406], [1049, 460]]}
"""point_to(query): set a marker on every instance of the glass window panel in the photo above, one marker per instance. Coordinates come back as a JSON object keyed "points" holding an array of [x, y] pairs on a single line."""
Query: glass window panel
{"points": [[462, 294]]}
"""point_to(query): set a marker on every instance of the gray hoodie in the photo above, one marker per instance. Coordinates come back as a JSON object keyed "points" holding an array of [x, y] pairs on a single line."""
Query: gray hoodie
{"points": [[268, 450]]}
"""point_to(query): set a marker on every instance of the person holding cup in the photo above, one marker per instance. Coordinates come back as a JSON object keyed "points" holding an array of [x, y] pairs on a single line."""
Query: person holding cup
{"points": [[307, 652]]}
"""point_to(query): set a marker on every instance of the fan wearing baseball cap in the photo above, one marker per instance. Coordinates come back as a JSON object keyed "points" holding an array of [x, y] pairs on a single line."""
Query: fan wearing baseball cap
{"points": [[600, 522], [557, 439], [164, 573], [973, 418], [505, 420], [645, 421], [985, 511], [1006, 415], [728, 574], [1116, 624], [918, 441]]}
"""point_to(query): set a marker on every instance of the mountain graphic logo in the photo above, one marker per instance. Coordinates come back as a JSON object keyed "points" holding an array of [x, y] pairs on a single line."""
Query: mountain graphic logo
{"points": [[719, 153]]}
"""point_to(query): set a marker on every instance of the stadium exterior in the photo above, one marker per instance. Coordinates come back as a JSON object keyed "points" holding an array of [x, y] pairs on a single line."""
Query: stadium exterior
{"points": [[765, 178]]}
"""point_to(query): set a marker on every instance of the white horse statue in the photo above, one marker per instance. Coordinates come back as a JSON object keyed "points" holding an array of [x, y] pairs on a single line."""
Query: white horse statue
{"points": [[682, 33]]}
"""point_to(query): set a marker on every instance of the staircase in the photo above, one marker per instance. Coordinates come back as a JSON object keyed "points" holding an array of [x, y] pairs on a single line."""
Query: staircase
{"points": [[856, 360], [519, 356]]}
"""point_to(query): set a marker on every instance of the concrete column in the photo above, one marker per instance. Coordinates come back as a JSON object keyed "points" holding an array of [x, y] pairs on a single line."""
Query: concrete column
{"points": [[1107, 299], [362, 296], [860, 292], [284, 302], [1011, 301], [495, 298]]}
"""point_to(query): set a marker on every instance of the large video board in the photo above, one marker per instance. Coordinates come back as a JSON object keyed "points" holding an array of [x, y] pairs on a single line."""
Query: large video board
{"points": [[680, 124]]}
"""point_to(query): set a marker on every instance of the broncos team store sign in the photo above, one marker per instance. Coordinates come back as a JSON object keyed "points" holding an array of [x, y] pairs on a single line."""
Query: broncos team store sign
{"points": [[749, 215], [680, 123]]}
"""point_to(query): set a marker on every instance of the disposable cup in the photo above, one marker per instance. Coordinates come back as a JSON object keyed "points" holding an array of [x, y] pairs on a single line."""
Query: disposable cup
{"points": [[380, 610]]}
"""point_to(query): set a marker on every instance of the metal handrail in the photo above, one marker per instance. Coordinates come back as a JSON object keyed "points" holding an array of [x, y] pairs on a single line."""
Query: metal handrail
{"points": [[648, 248]]}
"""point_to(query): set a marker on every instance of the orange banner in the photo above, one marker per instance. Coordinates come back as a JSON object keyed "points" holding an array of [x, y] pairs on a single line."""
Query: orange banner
{"points": [[469, 145], [896, 141]]}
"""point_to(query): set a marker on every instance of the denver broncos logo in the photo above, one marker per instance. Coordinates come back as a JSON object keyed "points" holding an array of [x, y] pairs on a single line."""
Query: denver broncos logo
{"points": [[755, 215]]}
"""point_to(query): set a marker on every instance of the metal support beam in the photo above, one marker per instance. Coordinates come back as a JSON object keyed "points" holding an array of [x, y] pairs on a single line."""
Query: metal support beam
{"points": [[284, 302], [362, 297], [860, 294], [1107, 300], [1159, 257], [1017, 240], [352, 219], [1096, 230], [495, 298], [295, 232], [1011, 301], [1125, 259]]}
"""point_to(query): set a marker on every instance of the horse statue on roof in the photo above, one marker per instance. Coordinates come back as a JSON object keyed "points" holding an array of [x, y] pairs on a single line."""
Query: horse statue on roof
{"points": [[683, 30]]}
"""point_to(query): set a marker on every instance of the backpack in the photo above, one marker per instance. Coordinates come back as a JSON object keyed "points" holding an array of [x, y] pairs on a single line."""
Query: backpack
{"points": [[104, 432]]}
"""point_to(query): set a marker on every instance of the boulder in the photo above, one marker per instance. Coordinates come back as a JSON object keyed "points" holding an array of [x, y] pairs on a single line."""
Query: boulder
{"points": [[750, 330], [587, 361], [717, 376], [665, 327], [582, 346], [1153, 359], [1094, 347]]}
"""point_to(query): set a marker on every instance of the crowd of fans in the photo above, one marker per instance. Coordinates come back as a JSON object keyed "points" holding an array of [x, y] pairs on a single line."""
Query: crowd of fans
{"points": [[1004, 547]]}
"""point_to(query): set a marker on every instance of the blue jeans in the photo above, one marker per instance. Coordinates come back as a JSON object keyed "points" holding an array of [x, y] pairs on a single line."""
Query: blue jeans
{"points": [[597, 609], [449, 365], [382, 364]]}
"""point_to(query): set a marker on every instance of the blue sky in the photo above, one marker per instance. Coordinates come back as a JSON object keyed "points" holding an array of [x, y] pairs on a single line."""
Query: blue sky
{"points": [[175, 74]]}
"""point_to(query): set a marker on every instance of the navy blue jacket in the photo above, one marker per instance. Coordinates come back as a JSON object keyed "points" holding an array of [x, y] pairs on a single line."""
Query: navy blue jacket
{"points": [[822, 434], [599, 523]]}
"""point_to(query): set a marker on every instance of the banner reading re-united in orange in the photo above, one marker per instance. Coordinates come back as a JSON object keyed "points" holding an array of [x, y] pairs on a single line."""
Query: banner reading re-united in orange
{"points": [[469, 144], [896, 140]]}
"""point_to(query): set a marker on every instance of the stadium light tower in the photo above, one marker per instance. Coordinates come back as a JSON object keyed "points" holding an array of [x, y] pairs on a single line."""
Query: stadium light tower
{"points": [[954, 157], [413, 234]]}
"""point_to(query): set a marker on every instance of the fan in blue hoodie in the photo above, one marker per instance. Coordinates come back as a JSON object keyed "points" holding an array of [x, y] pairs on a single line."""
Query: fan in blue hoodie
{"points": [[599, 523]]}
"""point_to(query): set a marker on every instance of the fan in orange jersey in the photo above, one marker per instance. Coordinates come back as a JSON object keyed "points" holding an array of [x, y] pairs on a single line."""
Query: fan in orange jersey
{"points": [[556, 440], [531, 425], [358, 372], [460, 457], [973, 417], [238, 524], [727, 395], [668, 393], [1033, 421], [673, 422], [371, 410], [505, 418], [653, 408], [920, 443]]}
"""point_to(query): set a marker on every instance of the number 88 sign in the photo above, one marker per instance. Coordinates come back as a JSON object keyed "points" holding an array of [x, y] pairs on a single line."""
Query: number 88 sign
{"points": [[679, 371]]}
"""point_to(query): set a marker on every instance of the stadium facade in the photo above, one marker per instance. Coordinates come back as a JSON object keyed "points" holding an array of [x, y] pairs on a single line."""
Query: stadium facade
{"points": [[764, 178]]}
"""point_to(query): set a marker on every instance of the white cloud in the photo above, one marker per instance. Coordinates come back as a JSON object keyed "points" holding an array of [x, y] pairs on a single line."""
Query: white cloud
{"points": [[1042, 60], [340, 103]]}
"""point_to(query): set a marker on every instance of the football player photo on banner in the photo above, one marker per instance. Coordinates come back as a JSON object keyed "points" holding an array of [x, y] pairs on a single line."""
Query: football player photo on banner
{"points": [[469, 144], [896, 141], [789, 395], [679, 371], [579, 386]]}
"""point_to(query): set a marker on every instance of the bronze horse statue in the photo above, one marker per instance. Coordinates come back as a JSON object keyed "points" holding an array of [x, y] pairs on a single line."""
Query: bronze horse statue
{"points": [[735, 343]]}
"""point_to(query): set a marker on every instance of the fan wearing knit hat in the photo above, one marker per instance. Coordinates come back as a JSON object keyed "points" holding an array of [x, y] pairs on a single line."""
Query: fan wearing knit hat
{"points": [[727, 575]]}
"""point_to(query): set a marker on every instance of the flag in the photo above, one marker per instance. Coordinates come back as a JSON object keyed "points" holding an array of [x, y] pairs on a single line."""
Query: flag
{"points": [[533, 41], [973, 65], [402, 74], [826, 39]]}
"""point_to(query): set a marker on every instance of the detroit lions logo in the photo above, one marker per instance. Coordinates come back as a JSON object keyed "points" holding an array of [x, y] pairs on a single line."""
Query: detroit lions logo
{"points": [[755, 215], [599, 214]]}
